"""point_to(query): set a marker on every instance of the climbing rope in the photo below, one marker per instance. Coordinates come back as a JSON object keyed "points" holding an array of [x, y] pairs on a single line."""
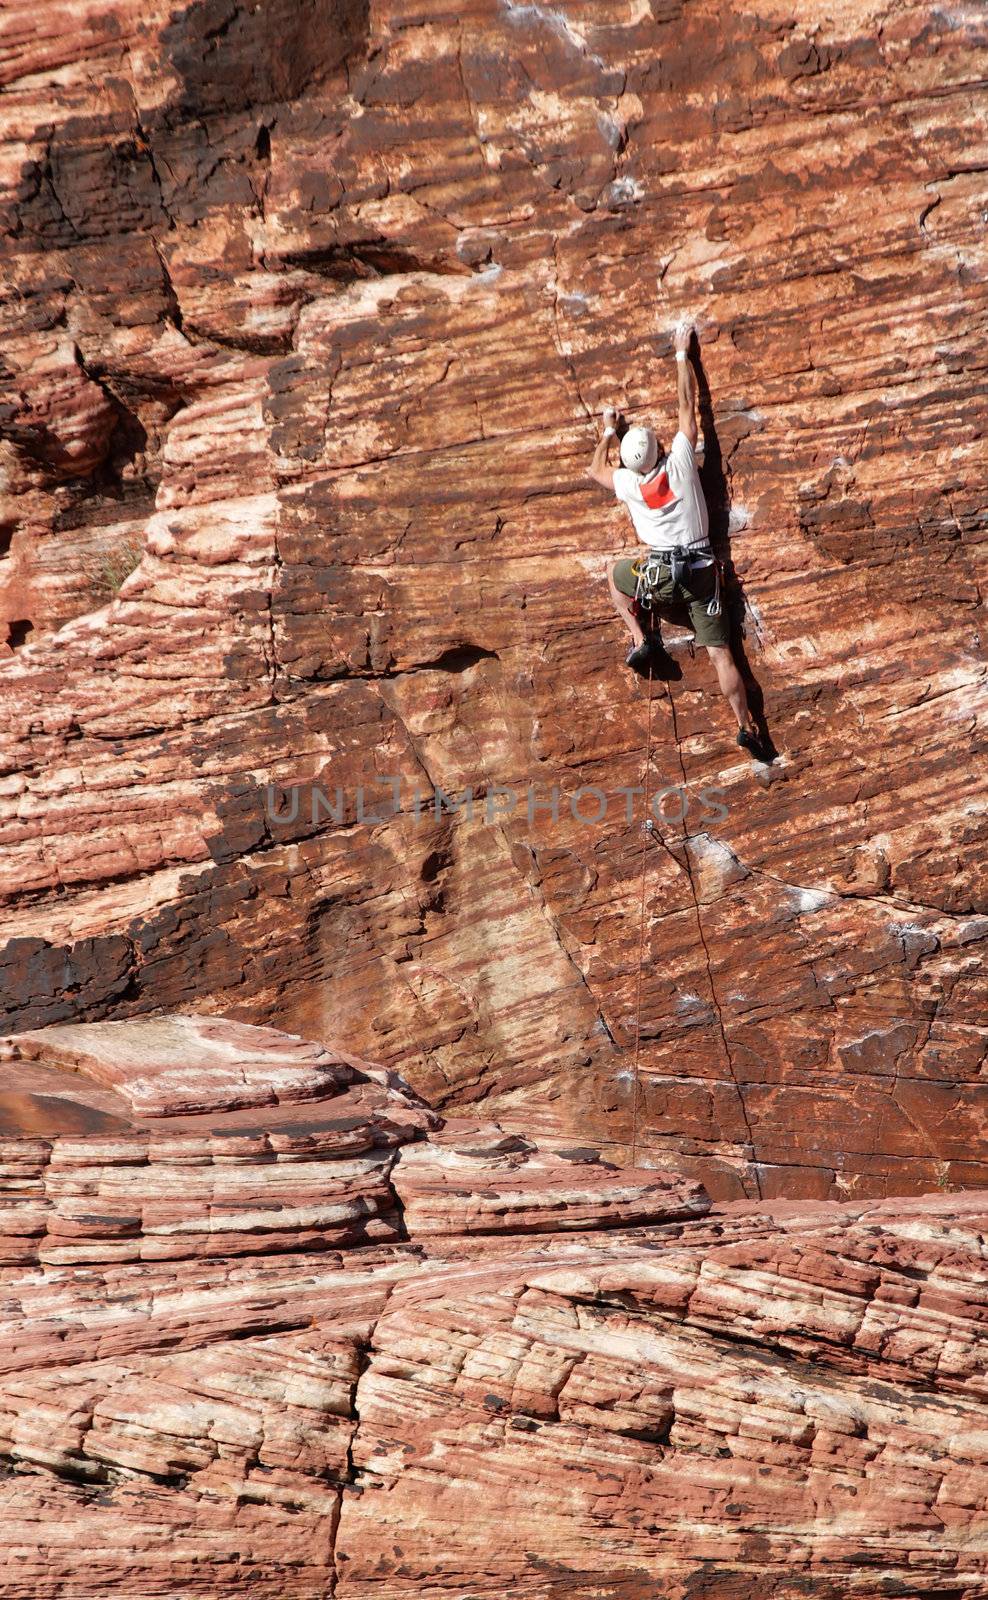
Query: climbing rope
{"points": [[646, 837], [646, 830], [710, 976]]}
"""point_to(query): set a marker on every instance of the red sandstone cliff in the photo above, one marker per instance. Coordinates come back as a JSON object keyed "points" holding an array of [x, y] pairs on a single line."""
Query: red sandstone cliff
{"points": [[269, 1328], [308, 308]]}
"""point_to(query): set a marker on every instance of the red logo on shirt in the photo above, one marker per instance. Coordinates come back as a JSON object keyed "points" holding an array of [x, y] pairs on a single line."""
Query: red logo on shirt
{"points": [[656, 492]]}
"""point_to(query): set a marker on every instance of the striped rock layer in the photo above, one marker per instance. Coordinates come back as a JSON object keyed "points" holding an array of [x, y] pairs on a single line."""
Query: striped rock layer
{"points": [[332, 1345], [309, 308]]}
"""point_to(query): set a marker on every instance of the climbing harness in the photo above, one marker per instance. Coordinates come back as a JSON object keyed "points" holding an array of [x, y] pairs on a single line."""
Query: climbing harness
{"points": [[679, 565]]}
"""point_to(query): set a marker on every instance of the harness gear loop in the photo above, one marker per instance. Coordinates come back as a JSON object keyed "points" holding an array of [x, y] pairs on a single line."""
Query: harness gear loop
{"points": [[680, 565], [713, 604]]}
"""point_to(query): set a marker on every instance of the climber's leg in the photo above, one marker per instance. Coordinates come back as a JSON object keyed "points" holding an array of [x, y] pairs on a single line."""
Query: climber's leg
{"points": [[732, 686], [711, 632], [621, 583]]}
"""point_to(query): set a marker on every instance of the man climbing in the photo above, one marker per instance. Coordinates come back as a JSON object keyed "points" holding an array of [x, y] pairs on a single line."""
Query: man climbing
{"points": [[665, 500]]}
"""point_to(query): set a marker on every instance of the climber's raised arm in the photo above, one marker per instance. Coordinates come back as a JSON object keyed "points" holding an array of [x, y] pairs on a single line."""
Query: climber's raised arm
{"points": [[598, 468], [686, 381]]}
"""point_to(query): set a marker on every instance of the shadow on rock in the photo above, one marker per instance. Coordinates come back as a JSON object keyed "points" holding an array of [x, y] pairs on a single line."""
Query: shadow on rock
{"points": [[717, 493]]}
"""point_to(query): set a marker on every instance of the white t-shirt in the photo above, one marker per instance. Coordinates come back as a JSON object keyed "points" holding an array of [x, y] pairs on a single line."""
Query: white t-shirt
{"points": [[667, 507]]}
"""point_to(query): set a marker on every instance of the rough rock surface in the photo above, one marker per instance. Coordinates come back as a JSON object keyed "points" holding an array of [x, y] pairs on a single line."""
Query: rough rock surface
{"points": [[366, 1391], [309, 305]]}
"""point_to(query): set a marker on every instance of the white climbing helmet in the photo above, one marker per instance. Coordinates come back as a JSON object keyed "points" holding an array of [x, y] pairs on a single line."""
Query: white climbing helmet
{"points": [[639, 449]]}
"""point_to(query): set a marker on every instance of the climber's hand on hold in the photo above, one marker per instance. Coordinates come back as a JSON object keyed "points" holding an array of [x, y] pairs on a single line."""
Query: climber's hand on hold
{"points": [[598, 469], [685, 329]]}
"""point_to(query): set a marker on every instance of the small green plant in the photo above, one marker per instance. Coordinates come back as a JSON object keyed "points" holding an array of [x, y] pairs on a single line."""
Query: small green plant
{"points": [[110, 565]]}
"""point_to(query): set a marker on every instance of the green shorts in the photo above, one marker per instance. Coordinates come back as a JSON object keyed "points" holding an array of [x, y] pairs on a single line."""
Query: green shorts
{"points": [[676, 603]]}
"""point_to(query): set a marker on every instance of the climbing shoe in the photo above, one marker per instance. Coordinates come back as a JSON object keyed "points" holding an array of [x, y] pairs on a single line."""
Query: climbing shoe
{"points": [[753, 744], [639, 659], [652, 660], [664, 666]]}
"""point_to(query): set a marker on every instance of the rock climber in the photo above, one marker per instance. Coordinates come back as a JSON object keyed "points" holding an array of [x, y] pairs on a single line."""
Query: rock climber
{"points": [[665, 500]]}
